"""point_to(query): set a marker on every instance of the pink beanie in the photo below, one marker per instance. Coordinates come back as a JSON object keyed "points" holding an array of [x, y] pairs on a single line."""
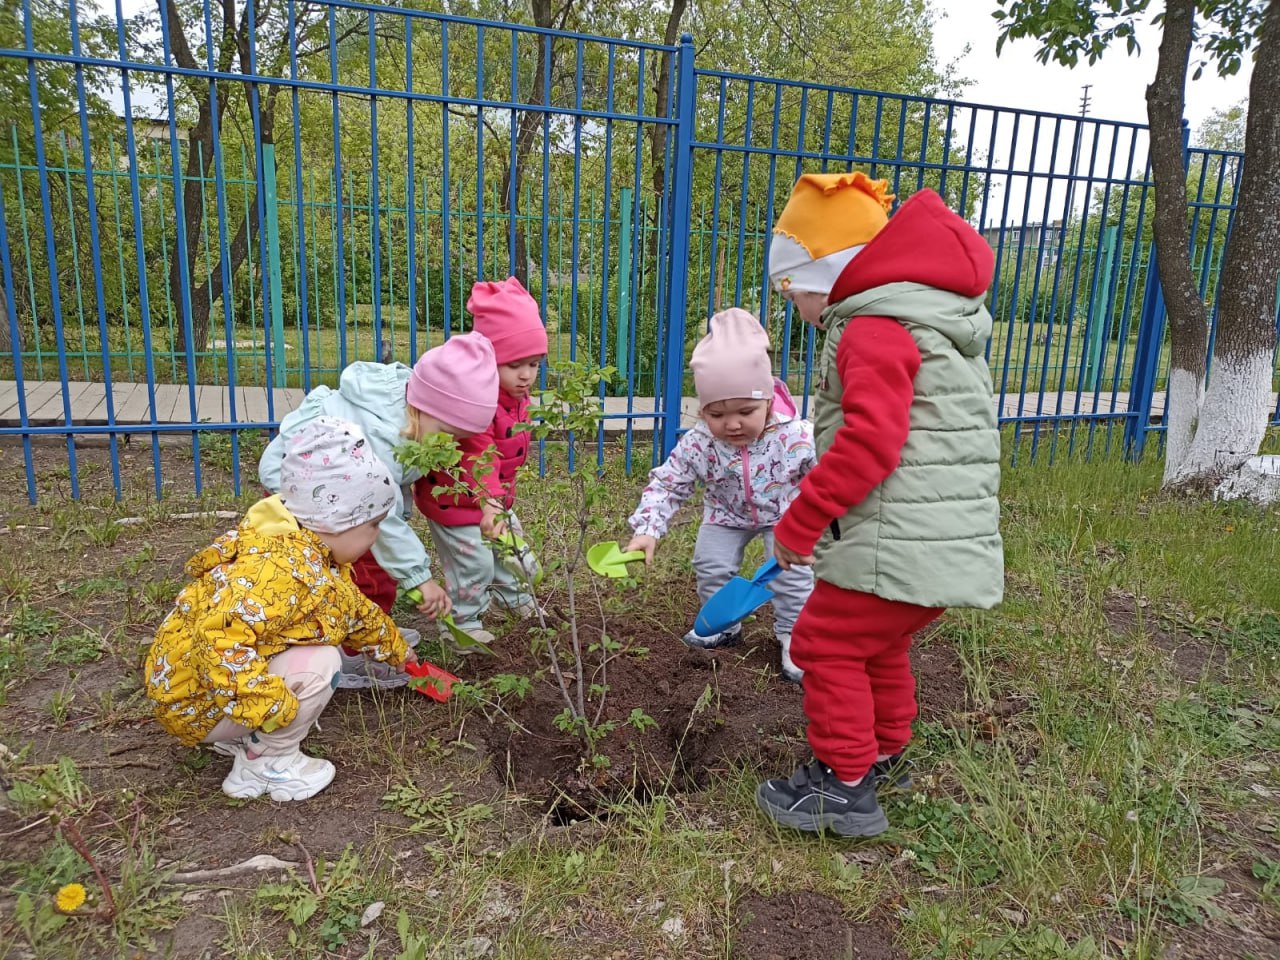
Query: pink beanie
{"points": [[732, 360], [506, 314], [457, 383]]}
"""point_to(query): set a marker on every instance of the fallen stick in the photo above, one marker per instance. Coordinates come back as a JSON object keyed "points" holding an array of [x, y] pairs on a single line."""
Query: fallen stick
{"points": [[216, 514], [259, 864]]}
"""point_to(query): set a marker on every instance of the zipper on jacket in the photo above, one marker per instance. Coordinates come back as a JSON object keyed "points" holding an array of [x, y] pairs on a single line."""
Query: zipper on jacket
{"points": [[746, 486], [835, 529]]}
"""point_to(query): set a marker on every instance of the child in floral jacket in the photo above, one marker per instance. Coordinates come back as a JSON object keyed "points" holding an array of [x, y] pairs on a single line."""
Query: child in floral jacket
{"points": [[749, 451], [248, 658]]}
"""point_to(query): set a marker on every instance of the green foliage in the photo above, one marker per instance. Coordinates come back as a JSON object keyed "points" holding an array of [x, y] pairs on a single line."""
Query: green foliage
{"points": [[947, 842], [436, 813], [338, 899], [1069, 31], [1189, 901], [37, 919], [1041, 943]]}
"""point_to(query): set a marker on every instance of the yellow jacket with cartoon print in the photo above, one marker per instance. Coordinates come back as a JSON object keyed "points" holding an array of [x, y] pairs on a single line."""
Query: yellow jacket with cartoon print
{"points": [[259, 589]]}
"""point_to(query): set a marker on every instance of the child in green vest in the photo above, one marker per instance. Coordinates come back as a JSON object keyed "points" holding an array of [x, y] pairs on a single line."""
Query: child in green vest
{"points": [[900, 517]]}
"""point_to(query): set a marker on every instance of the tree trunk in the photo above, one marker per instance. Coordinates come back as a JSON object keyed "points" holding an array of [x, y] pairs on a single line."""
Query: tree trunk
{"points": [[199, 162], [658, 131], [1233, 420], [544, 15], [1188, 324]]}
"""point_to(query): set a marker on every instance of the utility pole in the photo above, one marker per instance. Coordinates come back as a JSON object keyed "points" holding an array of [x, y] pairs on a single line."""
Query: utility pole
{"points": [[1075, 154]]}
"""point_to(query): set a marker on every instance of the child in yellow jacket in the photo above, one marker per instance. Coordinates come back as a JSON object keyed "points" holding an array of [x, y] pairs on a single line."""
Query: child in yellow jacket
{"points": [[248, 658]]}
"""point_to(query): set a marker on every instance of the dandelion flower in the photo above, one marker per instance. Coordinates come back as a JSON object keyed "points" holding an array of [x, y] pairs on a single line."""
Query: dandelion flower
{"points": [[69, 898]]}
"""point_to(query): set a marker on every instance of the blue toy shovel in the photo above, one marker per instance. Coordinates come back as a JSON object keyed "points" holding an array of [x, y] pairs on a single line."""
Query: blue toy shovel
{"points": [[736, 601]]}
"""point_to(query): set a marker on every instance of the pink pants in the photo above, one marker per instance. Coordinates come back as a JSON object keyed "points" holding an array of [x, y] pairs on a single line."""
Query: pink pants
{"points": [[312, 674]]}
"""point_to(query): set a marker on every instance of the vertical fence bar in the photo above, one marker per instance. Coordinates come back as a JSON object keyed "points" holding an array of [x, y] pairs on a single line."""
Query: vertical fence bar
{"points": [[677, 285], [95, 246], [144, 298], [276, 303], [304, 324], [220, 194], [50, 243], [15, 338], [1146, 361]]}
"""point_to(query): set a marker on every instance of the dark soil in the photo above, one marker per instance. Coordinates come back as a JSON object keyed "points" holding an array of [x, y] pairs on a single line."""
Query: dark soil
{"points": [[803, 925], [1190, 658], [715, 711]]}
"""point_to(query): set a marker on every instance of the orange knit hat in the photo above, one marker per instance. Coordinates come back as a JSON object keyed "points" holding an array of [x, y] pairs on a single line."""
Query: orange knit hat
{"points": [[828, 218]]}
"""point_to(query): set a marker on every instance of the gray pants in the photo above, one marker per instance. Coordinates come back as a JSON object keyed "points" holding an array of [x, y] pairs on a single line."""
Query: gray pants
{"points": [[474, 574], [717, 557]]}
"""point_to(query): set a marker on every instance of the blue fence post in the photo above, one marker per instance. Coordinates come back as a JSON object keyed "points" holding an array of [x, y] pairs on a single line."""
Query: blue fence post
{"points": [[1146, 358], [681, 186]]}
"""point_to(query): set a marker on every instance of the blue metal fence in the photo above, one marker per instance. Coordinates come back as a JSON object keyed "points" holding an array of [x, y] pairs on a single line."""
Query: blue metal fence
{"points": [[172, 271]]}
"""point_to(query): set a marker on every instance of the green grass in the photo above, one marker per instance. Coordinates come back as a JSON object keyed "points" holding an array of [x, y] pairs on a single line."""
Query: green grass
{"points": [[1106, 788]]}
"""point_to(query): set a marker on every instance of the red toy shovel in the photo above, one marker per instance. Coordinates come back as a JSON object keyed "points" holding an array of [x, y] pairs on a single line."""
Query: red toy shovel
{"points": [[439, 683]]}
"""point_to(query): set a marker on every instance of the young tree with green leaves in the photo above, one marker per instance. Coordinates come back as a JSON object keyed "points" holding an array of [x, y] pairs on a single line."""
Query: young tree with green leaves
{"points": [[1213, 431]]}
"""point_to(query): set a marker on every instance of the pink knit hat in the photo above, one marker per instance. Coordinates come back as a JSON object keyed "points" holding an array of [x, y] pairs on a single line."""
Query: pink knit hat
{"points": [[732, 360], [457, 383], [506, 314]]}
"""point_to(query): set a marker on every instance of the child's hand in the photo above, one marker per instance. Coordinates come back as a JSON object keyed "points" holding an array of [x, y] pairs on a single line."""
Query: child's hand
{"points": [[643, 543], [789, 558], [492, 523], [411, 657], [435, 602]]}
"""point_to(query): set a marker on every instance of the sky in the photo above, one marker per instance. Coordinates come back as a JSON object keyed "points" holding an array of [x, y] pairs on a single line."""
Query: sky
{"points": [[1016, 79]]}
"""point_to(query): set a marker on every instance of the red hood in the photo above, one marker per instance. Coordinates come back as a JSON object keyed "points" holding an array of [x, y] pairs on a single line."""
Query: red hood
{"points": [[923, 242]]}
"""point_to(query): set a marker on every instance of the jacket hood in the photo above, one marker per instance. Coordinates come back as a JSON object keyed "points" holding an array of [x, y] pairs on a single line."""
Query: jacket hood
{"points": [[266, 520], [784, 406], [376, 387], [924, 249]]}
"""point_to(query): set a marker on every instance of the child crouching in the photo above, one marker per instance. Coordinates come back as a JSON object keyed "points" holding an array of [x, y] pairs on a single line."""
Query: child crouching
{"points": [[248, 658], [749, 451]]}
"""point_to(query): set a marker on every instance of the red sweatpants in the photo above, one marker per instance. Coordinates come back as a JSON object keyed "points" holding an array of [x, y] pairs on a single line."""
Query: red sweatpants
{"points": [[859, 692], [374, 582]]}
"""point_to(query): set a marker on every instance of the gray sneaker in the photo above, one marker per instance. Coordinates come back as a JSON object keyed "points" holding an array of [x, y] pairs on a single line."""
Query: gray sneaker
{"points": [[361, 673], [726, 638]]}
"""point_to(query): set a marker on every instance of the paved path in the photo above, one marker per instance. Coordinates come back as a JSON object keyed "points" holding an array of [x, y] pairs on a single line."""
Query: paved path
{"points": [[175, 404]]}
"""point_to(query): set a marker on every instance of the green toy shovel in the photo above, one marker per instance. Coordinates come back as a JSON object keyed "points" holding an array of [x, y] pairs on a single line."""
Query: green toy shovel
{"points": [[608, 560], [464, 641], [518, 558]]}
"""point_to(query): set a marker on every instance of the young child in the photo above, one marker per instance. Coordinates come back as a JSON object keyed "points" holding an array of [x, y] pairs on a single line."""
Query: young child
{"points": [[749, 451], [451, 389], [248, 658], [508, 316], [900, 517]]}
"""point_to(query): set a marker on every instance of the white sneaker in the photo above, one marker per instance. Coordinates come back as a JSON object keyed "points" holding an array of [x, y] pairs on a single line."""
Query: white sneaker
{"points": [[528, 610], [478, 634], [292, 777], [228, 748], [790, 672], [361, 673]]}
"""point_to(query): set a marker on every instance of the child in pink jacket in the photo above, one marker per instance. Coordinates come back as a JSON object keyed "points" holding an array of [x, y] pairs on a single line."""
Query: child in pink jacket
{"points": [[465, 526], [749, 452]]}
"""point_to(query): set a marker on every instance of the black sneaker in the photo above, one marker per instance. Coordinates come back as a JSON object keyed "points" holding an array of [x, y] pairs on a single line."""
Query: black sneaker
{"points": [[894, 773], [726, 638], [814, 799]]}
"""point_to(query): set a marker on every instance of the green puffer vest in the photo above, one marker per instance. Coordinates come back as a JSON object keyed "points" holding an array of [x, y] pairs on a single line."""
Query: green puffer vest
{"points": [[930, 533]]}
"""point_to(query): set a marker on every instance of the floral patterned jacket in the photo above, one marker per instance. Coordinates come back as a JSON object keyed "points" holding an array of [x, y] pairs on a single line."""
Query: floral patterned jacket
{"points": [[746, 487], [259, 589]]}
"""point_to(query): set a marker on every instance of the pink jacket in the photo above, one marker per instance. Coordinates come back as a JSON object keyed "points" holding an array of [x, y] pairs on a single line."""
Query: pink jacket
{"points": [[747, 487], [499, 484]]}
